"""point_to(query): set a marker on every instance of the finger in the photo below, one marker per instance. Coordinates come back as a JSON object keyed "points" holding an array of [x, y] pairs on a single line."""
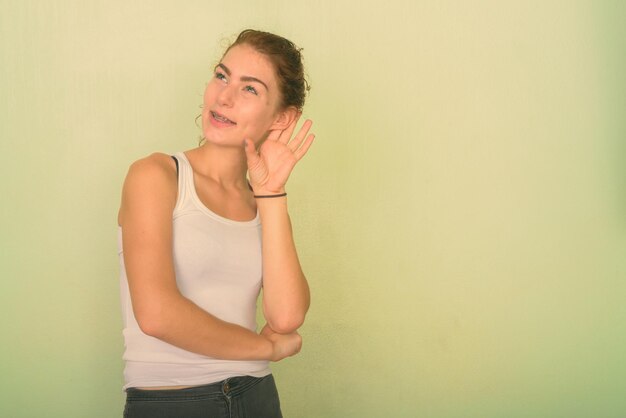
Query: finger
{"points": [[304, 130], [300, 152], [287, 132], [297, 140], [299, 346]]}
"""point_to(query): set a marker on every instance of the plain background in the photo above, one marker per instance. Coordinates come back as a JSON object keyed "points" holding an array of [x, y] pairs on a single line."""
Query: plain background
{"points": [[461, 216]]}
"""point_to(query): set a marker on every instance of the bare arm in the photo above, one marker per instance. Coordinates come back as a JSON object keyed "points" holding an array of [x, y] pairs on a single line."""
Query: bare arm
{"points": [[148, 200], [286, 295]]}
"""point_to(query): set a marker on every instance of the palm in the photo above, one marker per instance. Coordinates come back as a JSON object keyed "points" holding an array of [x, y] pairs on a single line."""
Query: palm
{"points": [[271, 167], [274, 167]]}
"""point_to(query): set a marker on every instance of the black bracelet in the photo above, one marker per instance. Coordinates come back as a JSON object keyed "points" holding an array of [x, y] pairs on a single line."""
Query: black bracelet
{"points": [[271, 195]]}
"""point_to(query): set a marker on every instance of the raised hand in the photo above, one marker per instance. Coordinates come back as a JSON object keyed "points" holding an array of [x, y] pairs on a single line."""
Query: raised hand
{"points": [[270, 168]]}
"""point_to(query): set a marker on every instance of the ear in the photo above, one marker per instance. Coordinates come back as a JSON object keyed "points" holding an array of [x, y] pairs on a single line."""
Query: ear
{"points": [[284, 118]]}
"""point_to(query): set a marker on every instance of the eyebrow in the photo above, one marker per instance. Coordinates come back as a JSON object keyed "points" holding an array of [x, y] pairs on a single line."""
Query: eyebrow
{"points": [[242, 78]]}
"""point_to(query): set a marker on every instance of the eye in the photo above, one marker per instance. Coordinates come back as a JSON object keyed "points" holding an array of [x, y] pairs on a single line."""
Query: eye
{"points": [[220, 76], [251, 90]]}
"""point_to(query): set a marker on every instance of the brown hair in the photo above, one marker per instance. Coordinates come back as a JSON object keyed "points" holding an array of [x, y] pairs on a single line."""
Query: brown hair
{"points": [[287, 61]]}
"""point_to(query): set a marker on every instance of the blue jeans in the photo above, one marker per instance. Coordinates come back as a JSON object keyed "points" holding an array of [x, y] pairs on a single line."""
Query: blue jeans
{"points": [[235, 397]]}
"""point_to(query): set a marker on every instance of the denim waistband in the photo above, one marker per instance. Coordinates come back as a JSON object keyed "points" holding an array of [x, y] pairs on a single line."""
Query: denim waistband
{"points": [[232, 386]]}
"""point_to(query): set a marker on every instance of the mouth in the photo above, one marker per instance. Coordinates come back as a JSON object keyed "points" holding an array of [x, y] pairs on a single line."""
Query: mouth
{"points": [[221, 118]]}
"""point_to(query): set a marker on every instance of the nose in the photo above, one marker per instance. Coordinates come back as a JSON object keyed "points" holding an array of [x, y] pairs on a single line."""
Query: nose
{"points": [[226, 96]]}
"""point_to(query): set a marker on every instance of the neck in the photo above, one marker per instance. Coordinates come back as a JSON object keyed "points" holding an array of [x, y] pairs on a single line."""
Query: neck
{"points": [[226, 166]]}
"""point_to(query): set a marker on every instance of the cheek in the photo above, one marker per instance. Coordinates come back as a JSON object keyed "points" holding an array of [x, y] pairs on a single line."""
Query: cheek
{"points": [[263, 121], [208, 98], [208, 92], [256, 114], [212, 90], [257, 125]]}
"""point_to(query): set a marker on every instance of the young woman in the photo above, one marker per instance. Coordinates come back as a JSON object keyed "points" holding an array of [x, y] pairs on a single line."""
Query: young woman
{"points": [[198, 240]]}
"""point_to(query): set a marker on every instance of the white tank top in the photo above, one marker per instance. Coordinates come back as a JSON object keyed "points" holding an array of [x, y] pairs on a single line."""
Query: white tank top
{"points": [[218, 266]]}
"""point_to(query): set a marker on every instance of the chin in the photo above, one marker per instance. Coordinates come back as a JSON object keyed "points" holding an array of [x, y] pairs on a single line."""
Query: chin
{"points": [[224, 141]]}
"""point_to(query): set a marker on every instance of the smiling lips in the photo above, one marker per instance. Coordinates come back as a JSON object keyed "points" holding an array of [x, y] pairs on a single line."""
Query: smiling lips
{"points": [[221, 119]]}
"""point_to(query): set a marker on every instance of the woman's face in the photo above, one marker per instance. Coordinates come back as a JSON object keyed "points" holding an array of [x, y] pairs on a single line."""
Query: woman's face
{"points": [[242, 99]]}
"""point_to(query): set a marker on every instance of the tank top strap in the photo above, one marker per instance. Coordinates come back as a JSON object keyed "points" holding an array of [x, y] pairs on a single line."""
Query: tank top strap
{"points": [[185, 181]]}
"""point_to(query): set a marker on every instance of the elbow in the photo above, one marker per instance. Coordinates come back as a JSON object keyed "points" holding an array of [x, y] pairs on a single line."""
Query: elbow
{"points": [[288, 316], [286, 324], [155, 314], [150, 321], [150, 326]]}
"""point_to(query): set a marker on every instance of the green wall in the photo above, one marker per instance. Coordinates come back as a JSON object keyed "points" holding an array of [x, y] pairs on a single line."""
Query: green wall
{"points": [[461, 217]]}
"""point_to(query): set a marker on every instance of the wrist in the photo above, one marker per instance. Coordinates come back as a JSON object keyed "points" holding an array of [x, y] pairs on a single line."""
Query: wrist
{"points": [[267, 194], [271, 207], [266, 348], [270, 196], [258, 191]]}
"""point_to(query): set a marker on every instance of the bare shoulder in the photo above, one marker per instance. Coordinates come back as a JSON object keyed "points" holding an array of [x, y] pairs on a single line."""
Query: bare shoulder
{"points": [[151, 182], [156, 163], [155, 170]]}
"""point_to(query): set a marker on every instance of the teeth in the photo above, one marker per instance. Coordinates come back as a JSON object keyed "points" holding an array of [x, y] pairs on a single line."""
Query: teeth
{"points": [[221, 119]]}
